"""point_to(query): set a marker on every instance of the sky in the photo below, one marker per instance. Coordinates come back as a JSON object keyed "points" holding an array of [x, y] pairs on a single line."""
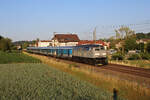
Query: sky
{"points": [[32, 19]]}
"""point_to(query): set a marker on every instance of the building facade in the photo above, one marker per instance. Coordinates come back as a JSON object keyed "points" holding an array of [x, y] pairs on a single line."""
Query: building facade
{"points": [[44, 43]]}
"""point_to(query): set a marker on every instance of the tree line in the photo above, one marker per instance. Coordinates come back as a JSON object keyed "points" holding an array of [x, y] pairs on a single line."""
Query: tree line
{"points": [[127, 39], [5, 44]]}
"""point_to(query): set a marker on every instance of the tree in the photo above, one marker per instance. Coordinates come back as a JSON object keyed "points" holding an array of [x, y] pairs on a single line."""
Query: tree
{"points": [[130, 44], [1, 37], [112, 42], [140, 47], [148, 47], [5, 44], [25, 45], [148, 35], [140, 35], [124, 32], [118, 35], [124, 35]]}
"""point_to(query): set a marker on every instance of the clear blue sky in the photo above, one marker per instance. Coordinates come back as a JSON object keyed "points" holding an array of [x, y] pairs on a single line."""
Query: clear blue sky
{"points": [[31, 19]]}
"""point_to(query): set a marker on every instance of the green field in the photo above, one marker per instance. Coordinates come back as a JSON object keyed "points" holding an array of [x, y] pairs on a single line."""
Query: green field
{"points": [[40, 82], [16, 57]]}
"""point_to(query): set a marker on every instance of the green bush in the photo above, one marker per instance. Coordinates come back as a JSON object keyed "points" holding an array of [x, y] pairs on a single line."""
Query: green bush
{"points": [[145, 56], [117, 56], [134, 57]]}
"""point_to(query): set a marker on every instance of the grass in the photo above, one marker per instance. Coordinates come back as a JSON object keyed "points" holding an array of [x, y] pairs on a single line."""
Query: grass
{"points": [[134, 63], [127, 89], [41, 82], [16, 57]]}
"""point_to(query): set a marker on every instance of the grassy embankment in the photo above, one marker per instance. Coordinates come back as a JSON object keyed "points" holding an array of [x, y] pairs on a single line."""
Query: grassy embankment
{"points": [[128, 90], [16, 57], [31, 80], [134, 63]]}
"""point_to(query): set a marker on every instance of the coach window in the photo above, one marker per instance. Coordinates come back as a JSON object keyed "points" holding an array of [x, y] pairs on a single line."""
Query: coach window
{"points": [[86, 48]]}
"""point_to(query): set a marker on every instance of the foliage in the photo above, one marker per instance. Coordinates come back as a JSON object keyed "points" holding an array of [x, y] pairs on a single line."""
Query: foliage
{"points": [[1, 37], [143, 35], [148, 47], [16, 57], [41, 82], [130, 44], [140, 47], [145, 56], [113, 42], [5, 44], [117, 56], [134, 57], [124, 32], [24, 44]]}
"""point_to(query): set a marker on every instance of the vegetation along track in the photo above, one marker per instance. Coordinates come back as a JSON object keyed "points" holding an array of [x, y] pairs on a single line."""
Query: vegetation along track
{"points": [[141, 72], [128, 69], [119, 68], [113, 67]]}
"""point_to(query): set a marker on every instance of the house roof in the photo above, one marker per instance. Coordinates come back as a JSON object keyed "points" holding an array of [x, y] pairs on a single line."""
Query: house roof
{"points": [[82, 42], [145, 40], [45, 40], [66, 37]]}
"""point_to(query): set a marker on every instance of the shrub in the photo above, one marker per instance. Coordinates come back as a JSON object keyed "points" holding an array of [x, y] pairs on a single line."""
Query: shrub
{"points": [[134, 57], [145, 56], [148, 47], [117, 56]]}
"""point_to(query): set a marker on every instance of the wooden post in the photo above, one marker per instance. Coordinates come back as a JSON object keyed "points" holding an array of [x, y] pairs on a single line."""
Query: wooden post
{"points": [[115, 94]]}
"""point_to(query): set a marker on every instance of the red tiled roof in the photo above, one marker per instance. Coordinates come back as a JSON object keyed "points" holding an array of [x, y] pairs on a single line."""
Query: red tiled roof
{"points": [[146, 40], [82, 42], [66, 37], [45, 40]]}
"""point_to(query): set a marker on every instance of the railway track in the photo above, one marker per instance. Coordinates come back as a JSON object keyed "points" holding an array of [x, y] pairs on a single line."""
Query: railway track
{"points": [[117, 68], [113, 67], [128, 69]]}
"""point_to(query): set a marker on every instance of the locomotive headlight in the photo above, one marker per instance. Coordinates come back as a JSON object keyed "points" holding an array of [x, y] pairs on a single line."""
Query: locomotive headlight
{"points": [[104, 54], [97, 54]]}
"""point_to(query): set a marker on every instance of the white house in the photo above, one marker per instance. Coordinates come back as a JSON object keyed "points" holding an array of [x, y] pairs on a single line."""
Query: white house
{"points": [[44, 43]]}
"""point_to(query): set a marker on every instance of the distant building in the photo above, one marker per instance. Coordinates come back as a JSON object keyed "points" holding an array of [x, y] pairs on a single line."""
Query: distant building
{"points": [[44, 43], [65, 40], [84, 42], [145, 41], [119, 44]]}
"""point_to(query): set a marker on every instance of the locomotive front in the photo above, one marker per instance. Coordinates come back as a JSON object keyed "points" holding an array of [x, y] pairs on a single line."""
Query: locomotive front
{"points": [[92, 54]]}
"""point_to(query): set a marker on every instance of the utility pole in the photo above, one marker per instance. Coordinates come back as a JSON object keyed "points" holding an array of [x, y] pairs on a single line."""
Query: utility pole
{"points": [[54, 38], [94, 35]]}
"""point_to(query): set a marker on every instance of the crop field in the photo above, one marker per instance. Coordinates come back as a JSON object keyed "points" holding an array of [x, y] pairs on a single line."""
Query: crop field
{"points": [[15, 57], [40, 82]]}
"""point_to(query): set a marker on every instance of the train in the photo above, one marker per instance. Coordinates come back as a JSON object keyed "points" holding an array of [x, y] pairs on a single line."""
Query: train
{"points": [[90, 54]]}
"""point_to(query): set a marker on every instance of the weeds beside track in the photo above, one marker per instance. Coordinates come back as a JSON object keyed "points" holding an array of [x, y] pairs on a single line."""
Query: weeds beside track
{"points": [[106, 79]]}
